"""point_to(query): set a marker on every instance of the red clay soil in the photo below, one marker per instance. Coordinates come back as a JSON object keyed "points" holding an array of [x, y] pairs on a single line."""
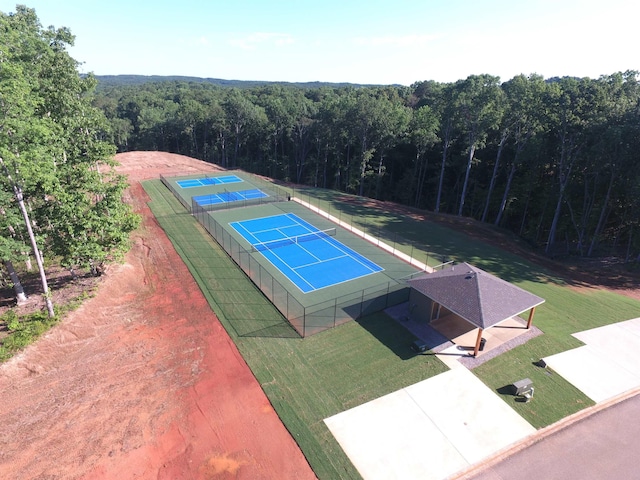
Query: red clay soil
{"points": [[142, 381]]}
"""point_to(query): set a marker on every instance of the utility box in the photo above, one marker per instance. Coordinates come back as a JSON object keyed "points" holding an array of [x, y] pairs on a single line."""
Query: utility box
{"points": [[419, 346], [523, 387]]}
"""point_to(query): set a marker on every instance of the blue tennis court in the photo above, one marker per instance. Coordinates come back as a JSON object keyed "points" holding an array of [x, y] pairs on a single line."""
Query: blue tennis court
{"points": [[311, 258], [228, 197], [206, 181]]}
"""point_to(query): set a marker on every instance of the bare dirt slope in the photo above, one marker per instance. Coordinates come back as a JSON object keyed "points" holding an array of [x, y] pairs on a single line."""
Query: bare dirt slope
{"points": [[142, 381]]}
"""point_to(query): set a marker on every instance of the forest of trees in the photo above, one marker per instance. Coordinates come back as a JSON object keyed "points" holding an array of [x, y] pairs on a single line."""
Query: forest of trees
{"points": [[60, 199], [555, 161]]}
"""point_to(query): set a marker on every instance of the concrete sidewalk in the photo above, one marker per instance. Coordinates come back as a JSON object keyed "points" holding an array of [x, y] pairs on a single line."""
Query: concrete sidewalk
{"points": [[447, 423], [607, 365], [429, 430]]}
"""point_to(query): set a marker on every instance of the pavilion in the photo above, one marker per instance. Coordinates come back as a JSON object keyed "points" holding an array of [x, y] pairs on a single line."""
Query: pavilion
{"points": [[471, 294]]}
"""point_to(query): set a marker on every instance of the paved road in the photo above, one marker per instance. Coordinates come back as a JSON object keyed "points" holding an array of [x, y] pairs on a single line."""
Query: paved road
{"points": [[605, 445]]}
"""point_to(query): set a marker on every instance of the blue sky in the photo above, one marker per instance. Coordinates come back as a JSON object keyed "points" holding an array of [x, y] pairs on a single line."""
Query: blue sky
{"points": [[357, 41]]}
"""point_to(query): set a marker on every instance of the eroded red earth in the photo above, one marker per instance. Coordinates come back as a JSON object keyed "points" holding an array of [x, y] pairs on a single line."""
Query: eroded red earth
{"points": [[142, 381]]}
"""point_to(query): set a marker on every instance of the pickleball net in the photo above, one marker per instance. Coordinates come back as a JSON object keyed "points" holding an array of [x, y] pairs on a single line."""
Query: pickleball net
{"points": [[283, 242]]}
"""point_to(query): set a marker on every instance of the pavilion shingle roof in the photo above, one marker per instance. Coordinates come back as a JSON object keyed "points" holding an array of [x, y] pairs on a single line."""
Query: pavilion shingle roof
{"points": [[477, 296]]}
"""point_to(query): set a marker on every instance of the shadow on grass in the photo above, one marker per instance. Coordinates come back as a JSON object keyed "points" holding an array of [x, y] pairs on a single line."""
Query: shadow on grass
{"points": [[507, 390], [397, 339], [281, 330], [439, 241]]}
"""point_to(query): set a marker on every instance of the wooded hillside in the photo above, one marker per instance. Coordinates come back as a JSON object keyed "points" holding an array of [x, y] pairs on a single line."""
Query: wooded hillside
{"points": [[555, 161]]}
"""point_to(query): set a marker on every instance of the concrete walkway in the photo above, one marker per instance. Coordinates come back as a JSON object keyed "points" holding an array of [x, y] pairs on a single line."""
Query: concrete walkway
{"points": [[429, 430], [441, 426], [607, 365]]}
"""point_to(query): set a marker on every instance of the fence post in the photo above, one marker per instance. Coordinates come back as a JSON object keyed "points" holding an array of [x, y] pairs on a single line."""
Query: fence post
{"points": [[386, 298]]}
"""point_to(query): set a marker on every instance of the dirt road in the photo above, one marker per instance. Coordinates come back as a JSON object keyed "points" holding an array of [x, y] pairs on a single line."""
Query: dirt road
{"points": [[142, 381]]}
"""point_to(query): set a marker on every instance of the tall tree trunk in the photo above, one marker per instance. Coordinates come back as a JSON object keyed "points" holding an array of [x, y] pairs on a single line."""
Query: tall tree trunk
{"points": [[579, 229], [494, 175], [36, 252], [524, 214], [223, 150], [34, 245], [440, 182], [587, 207], [379, 178], [363, 170], [275, 155], [603, 212], [505, 195], [347, 171], [21, 297], [554, 223], [628, 255], [472, 151], [567, 158], [236, 148], [27, 261], [421, 177]]}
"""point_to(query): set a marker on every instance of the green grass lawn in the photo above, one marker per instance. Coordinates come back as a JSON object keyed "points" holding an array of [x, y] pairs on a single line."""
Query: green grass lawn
{"points": [[310, 379], [565, 311]]}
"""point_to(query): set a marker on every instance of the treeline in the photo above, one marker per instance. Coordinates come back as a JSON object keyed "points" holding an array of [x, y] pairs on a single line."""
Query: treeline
{"points": [[110, 81], [555, 161], [60, 197]]}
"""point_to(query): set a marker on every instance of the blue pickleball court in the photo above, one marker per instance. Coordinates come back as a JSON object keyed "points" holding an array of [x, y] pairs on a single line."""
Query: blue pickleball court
{"points": [[206, 181], [311, 258], [229, 197]]}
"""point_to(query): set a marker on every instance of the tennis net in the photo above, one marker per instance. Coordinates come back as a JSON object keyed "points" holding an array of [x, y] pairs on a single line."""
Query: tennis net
{"points": [[283, 242]]}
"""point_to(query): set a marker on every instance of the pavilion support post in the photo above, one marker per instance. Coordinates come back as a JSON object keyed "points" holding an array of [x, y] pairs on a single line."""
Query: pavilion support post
{"points": [[530, 321], [478, 340]]}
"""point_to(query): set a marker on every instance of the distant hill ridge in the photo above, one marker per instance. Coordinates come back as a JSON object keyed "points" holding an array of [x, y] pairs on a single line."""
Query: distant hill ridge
{"points": [[122, 80]]}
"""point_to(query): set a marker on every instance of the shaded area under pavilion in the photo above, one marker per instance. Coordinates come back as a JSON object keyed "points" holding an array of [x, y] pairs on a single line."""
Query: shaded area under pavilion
{"points": [[461, 299]]}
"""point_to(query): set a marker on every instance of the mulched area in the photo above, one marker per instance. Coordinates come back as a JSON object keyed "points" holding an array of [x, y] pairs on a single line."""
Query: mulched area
{"points": [[471, 362]]}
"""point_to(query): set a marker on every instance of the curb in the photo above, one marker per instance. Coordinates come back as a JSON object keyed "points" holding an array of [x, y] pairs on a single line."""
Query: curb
{"points": [[541, 434]]}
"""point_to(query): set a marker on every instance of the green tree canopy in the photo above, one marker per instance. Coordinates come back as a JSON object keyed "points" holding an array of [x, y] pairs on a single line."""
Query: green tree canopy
{"points": [[52, 144]]}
